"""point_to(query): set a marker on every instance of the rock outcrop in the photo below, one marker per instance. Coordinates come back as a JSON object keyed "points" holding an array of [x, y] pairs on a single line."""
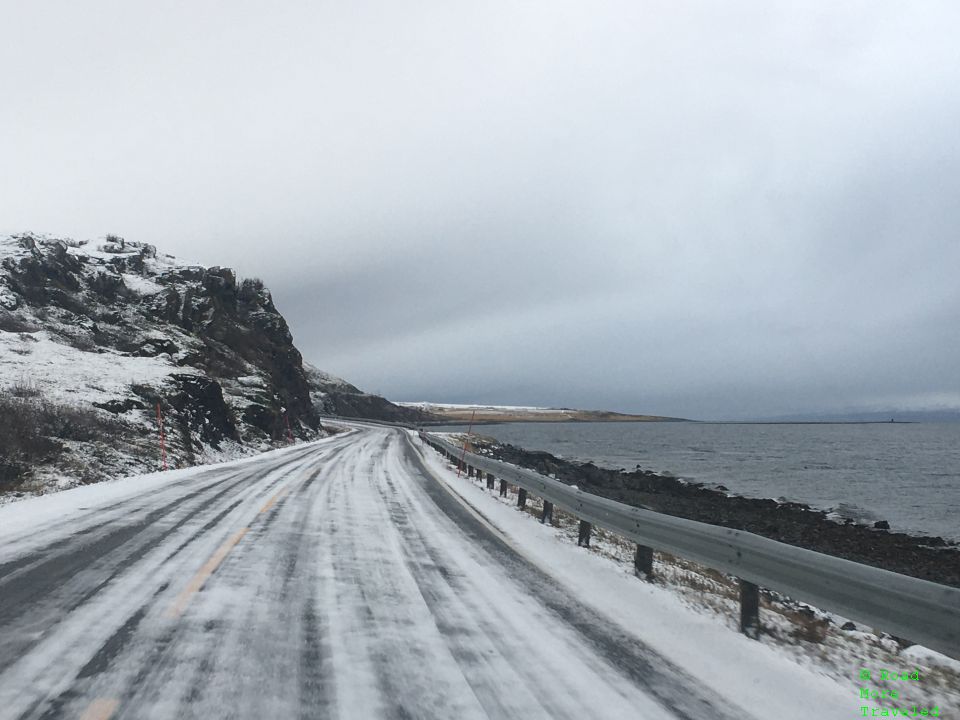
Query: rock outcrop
{"points": [[335, 396], [114, 330]]}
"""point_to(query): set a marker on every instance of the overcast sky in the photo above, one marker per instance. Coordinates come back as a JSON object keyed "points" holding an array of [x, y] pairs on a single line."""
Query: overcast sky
{"points": [[705, 209]]}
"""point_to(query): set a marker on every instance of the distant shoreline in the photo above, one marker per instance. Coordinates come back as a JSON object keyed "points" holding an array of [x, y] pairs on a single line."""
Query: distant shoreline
{"points": [[452, 414], [805, 422], [571, 420], [567, 419], [444, 414]]}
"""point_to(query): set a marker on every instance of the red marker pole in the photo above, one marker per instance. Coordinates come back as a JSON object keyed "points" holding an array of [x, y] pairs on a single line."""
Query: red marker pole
{"points": [[464, 453], [286, 419], [163, 445]]}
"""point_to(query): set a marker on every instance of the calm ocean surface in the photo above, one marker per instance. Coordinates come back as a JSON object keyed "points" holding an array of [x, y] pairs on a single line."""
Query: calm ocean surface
{"points": [[907, 474]]}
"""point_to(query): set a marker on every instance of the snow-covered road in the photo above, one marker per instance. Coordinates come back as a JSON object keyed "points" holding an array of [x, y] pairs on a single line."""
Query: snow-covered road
{"points": [[338, 579]]}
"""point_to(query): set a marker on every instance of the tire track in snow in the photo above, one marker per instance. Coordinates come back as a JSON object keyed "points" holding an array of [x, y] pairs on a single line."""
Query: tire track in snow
{"points": [[199, 652], [662, 679], [379, 652], [398, 655], [36, 599], [250, 487], [198, 642]]}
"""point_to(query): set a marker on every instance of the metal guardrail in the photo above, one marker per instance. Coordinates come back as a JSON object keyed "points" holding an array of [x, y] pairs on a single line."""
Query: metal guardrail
{"points": [[924, 612]]}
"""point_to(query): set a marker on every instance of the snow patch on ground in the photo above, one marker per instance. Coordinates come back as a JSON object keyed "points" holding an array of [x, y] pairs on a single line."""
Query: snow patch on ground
{"points": [[65, 374], [141, 285], [328, 379]]}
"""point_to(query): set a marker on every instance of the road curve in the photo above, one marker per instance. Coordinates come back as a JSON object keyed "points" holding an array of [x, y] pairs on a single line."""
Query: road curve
{"points": [[334, 580]]}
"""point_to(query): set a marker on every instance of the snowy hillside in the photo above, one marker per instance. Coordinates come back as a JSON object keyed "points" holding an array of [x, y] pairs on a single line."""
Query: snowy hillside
{"points": [[94, 336], [335, 396], [432, 406]]}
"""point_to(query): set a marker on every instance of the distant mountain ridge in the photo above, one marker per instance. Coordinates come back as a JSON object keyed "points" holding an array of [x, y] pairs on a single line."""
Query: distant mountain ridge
{"points": [[515, 413], [335, 396]]}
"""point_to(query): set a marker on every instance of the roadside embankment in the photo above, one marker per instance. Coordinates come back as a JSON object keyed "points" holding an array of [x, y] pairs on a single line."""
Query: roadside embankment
{"points": [[929, 558]]}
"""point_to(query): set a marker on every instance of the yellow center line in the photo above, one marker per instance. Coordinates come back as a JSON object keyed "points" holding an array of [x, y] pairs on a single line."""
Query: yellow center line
{"points": [[101, 710], [183, 599], [272, 500]]}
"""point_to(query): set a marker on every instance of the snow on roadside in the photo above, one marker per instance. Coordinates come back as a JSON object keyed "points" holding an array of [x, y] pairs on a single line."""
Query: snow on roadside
{"points": [[25, 515], [776, 681]]}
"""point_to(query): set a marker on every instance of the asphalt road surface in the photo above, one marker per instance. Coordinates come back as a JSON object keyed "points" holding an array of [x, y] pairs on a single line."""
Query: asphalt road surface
{"points": [[334, 580]]}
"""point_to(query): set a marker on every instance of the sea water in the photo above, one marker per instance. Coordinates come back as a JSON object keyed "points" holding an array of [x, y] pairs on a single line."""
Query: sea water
{"points": [[907, 474]]}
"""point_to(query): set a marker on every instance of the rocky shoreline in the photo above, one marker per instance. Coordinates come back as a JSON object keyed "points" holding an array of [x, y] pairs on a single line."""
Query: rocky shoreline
{"points": [[929, 558]]}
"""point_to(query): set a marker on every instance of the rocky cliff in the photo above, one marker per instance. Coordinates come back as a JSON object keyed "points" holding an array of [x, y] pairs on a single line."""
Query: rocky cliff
{"points": [[335, 396], [95, 337]]}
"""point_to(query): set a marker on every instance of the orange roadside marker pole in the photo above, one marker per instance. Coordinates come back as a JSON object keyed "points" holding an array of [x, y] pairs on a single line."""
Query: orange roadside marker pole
{"points": [[163, 445]]}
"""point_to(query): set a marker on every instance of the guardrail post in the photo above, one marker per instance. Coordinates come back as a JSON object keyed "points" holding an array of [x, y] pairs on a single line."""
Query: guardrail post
{"points": [[547, 515], [489, 481], [749, 609], [503, 488], [643, 561], [584, 539], [521, 498]]}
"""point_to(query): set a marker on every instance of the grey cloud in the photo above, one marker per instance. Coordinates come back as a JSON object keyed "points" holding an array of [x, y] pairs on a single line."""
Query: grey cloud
{"points": [[689, 209]]}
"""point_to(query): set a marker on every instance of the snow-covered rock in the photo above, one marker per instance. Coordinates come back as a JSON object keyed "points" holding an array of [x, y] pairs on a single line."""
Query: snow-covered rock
{"points": [[335, 396], [105, 332]]}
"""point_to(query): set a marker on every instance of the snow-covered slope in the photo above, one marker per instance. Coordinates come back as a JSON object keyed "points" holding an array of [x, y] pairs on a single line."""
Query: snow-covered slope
{"points": [[335, 396], [432, 406], [94, 336]]}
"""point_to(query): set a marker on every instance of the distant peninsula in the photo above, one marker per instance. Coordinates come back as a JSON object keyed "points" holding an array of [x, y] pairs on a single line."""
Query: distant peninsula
{"points": [[483, 414]]}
